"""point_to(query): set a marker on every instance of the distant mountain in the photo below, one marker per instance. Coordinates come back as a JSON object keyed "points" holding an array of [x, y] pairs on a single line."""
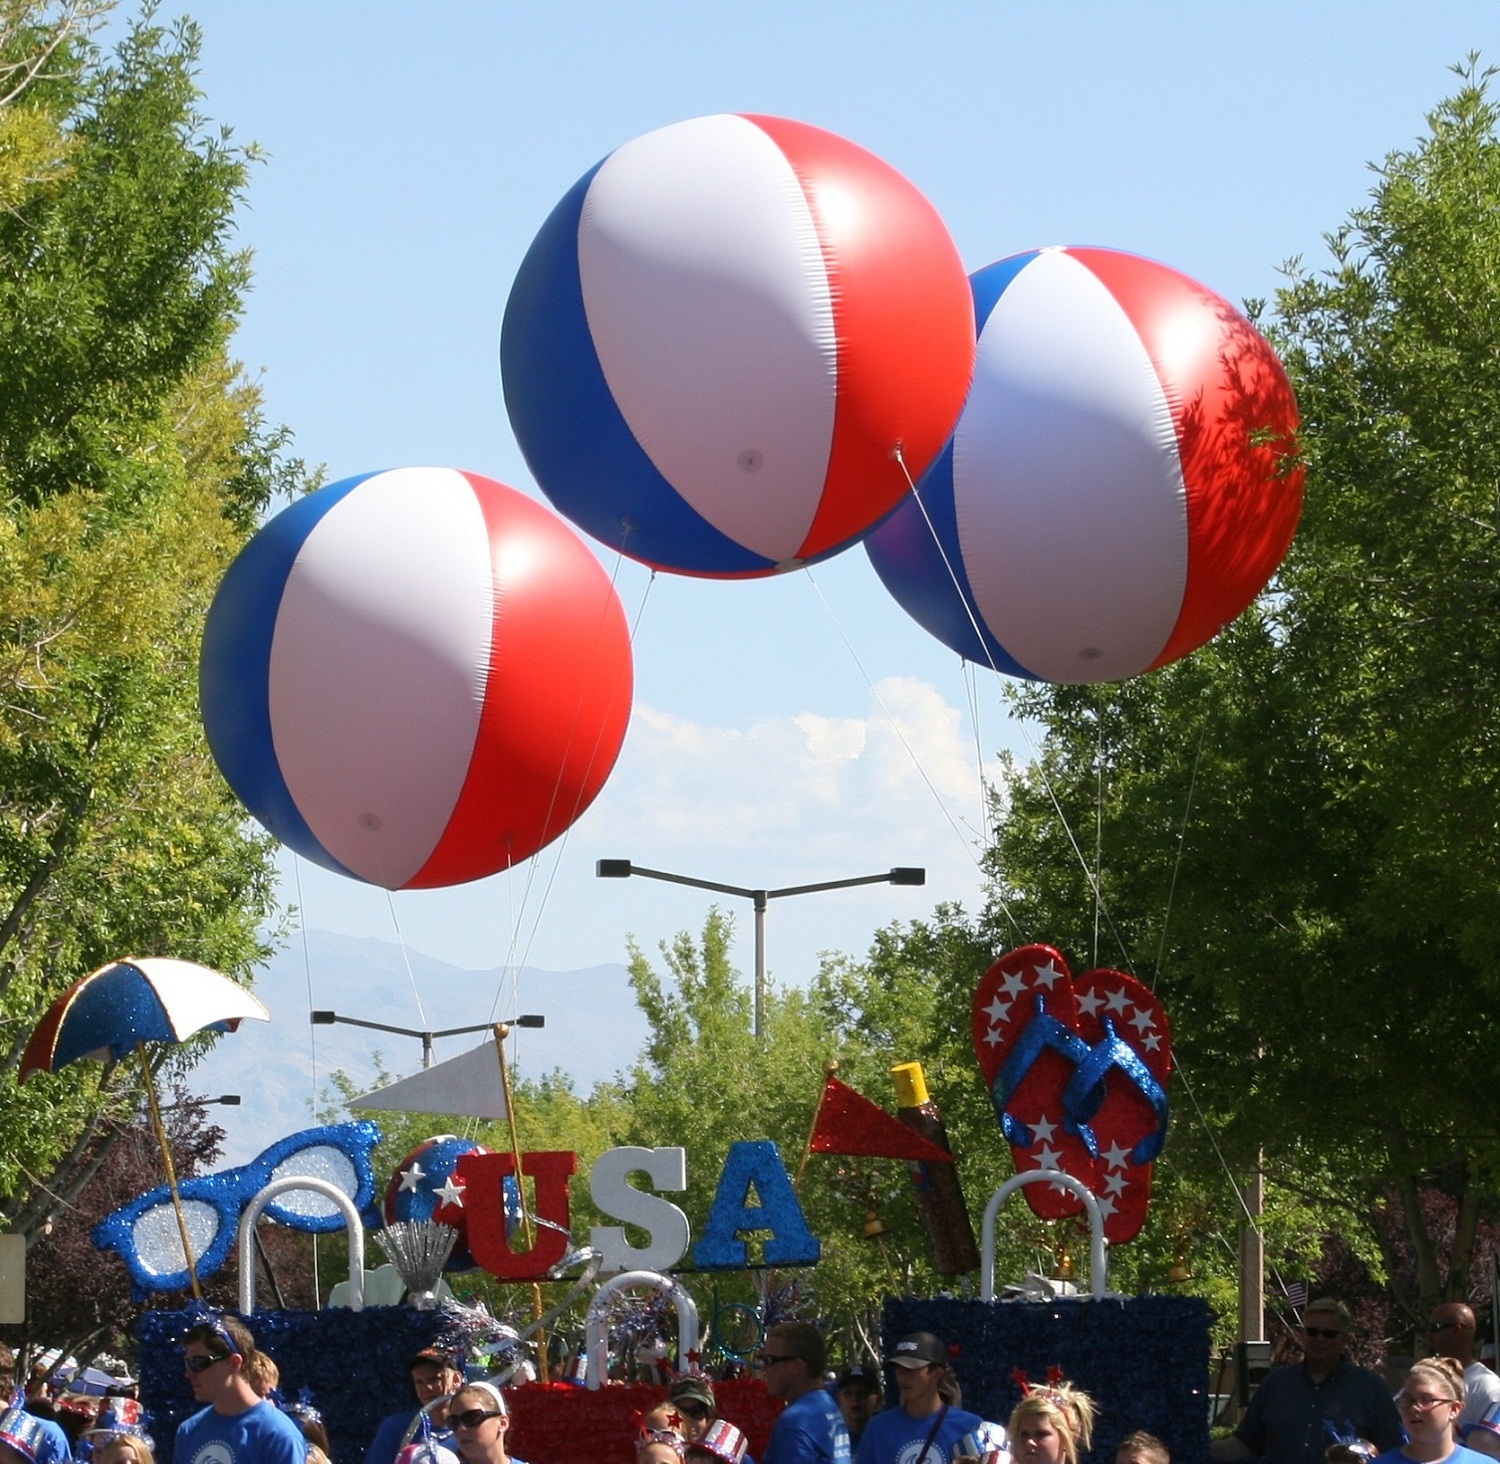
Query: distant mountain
{"points": [[594, 1029]]}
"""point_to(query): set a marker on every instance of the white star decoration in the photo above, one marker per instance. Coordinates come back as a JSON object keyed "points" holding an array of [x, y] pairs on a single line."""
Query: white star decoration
{"points": [[451, 1193], [1089, 1003], [1140, 1019], [1115, 1183], [1107, 1207], [1013, 982], [1047, 1158], [1116, 1157], [411, 1179], [1043, 1130], [1115, 1001], [1047, 975], [994, 1036], [1151, 1042], [996, 1011]]}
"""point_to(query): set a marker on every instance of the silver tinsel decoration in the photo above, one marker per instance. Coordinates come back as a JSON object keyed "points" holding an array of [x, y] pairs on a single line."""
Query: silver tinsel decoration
{"points": [[418, 1249]]}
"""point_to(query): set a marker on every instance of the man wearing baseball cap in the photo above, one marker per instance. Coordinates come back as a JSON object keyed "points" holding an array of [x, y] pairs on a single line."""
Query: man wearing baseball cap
{"points": [[435, 1377], [861, 1395], [924, 1429]]}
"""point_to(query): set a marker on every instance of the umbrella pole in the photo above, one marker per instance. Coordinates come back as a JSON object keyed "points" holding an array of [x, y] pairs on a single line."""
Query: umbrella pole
{"points": [[166, 1155]]}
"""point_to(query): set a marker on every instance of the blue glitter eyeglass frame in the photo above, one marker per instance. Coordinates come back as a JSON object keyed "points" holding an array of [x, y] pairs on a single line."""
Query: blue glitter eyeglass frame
{"points": [[213, 1203]]}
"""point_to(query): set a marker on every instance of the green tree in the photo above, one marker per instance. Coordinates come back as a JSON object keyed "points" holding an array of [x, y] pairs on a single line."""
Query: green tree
{"points": [[133, 462], [1298, 822]]}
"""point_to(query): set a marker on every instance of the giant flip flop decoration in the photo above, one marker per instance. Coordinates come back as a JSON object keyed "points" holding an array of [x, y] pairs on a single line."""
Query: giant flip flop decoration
{"points": [[1077, 1071]]}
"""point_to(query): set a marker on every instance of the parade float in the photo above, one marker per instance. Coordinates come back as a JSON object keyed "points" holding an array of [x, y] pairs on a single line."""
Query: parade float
{"points": [[738, 344]]}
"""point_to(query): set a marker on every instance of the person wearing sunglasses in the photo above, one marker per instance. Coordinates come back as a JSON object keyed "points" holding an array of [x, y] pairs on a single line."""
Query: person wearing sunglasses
{"points": [[810, 1430], [1450, 1333], [480, 1420], [692, 1400], [1298, 1408], [235, 1422]]}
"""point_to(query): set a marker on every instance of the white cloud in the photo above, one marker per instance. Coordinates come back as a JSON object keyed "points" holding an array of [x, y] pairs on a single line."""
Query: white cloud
{"points": [[807, 789]]}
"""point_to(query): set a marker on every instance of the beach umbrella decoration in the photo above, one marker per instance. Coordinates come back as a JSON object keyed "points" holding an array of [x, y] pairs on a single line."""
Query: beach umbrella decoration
{"points": [[122, 1007]]}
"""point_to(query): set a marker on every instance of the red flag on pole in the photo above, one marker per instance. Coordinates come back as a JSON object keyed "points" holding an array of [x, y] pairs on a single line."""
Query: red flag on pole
{"points": [[848, 1123]]}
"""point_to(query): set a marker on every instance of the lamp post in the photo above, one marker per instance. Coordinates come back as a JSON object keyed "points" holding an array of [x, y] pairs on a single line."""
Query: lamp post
{"points": [[327, 1019], [623, 869]]}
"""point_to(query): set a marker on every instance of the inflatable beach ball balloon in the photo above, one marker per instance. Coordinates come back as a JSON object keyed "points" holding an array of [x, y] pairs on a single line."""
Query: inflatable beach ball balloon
{"points": [[416, 677], [1120, 484], [725, 340]]}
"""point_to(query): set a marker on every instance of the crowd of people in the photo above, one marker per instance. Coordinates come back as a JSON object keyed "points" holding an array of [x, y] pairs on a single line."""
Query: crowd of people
{"points": [[843, 1421], [1322, 1409]]}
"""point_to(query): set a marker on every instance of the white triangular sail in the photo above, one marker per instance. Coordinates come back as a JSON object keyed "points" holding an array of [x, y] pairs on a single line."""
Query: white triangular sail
{"points": [[468, 1086]]}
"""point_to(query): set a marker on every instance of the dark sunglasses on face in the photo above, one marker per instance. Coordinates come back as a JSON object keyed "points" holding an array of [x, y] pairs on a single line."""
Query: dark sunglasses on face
{"points": [[1324, 1332], [770, 1359], [202, 1362], [471, 1417]]}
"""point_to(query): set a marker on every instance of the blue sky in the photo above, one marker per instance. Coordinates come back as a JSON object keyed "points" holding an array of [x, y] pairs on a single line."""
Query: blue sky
{"points": [[799, 729]]}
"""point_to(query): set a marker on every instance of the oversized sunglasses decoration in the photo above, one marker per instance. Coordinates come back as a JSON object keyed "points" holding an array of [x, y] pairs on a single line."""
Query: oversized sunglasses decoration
{"points": [[145, 1233]]}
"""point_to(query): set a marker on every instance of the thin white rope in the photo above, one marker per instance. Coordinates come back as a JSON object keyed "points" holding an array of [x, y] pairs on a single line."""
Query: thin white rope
{"points": [[312, 1031], [518, 949], [312, 1102], [960, 826], [986, 809], [406, 958], [1187, 810], [979, 635], [1098, 816]]}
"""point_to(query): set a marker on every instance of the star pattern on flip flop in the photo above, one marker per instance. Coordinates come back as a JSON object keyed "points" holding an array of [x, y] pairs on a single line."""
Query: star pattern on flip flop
{"points": [[1047, 974], [998, 1010]]}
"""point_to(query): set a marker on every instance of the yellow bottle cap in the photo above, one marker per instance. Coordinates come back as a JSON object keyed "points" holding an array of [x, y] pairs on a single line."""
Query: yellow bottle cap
{"points": [[911, 1084]]}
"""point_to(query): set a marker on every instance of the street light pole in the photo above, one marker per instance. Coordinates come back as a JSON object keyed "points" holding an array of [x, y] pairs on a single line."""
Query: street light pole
{"points": [[623, 869], [327, 1019]]}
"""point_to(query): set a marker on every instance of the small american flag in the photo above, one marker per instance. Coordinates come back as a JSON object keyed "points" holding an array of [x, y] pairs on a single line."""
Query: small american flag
{"points": [[1296, 1294]]}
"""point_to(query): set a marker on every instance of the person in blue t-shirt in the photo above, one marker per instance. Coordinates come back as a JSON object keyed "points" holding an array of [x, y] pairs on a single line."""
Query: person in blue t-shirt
{"points": [[924, 1429], [811, 1430], [237, 1426], [435, 1377]]}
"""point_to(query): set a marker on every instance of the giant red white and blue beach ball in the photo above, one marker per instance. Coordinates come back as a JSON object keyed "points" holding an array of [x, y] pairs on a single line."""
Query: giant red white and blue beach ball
{"points": [[416, 677], [425, 1186], [1122, 482], [727, 338]]}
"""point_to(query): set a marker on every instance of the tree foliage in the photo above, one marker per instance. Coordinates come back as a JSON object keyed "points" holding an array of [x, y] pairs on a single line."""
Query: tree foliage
{"points": [[133, 461], [1298, 823]]}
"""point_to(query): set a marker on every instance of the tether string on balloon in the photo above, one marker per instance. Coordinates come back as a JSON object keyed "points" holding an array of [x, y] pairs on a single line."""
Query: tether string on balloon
{"points": [[411, 975], [1037, 762], [953, 822], [312, 1106], [519, 950]]}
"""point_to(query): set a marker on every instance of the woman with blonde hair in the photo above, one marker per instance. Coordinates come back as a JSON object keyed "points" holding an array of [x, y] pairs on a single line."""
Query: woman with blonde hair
{"points": [[480, 1419], [1051, 1425], [1430, 1400]]}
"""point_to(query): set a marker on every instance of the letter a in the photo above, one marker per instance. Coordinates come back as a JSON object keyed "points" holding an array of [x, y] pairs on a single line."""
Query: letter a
{"points": [[755, 1165]]}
